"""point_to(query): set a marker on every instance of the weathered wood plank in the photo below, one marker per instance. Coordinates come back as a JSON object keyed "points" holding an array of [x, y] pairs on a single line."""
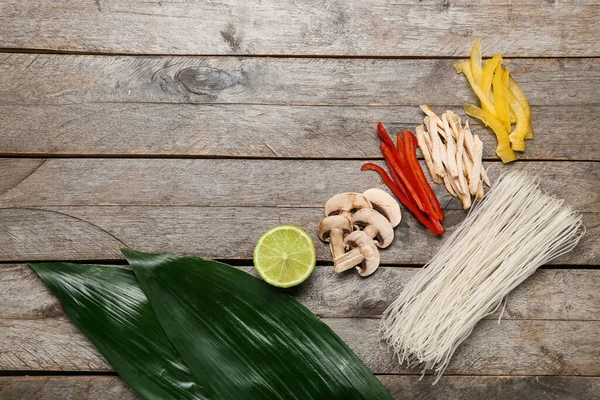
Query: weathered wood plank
{"points": [[53, 79], [13, 171], [242, 183], [401, 387], [494, 388], [564, 132], [309, 27], [550, 294], [97, 233], [65, 388], [87, 208], [515, 347]]}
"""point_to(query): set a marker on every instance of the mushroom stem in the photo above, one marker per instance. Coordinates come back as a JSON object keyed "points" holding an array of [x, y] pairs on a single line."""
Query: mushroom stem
{"points": [[348, 260], [336, 236]]}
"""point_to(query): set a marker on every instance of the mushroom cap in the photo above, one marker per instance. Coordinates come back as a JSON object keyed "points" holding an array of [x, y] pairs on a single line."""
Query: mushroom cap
{"points": [[375, 225], [345, 203], [368, 250], [327, 224], [383, 202]]}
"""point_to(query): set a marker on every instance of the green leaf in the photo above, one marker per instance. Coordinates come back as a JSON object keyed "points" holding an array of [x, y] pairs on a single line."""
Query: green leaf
{"points": [[244, 339], [108, 305]]}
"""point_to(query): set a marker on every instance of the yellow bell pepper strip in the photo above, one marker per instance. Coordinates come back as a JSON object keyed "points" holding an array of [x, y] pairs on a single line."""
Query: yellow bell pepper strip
{"points": [[486, 101], [517, 136], [505, 80], [500, 100], [518, 92], [475, 59], [488, 73], [503, 149], [458, 67]]}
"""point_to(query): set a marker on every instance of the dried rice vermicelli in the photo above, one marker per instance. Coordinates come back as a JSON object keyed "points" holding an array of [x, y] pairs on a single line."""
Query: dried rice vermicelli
{"points": [[505, 238]]}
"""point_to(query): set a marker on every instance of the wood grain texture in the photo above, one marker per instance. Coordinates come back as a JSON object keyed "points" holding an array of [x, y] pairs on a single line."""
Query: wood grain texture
{"points": [[515, 347], [53, 79], [494, 388], [86, 208], [13, 171], [240, 130], [97, 232], [550, 294], [308, 27], [244, 183], [401, 387]]}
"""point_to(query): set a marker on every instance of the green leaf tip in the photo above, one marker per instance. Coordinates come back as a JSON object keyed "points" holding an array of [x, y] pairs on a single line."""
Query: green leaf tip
{"points": [[109, 307]]}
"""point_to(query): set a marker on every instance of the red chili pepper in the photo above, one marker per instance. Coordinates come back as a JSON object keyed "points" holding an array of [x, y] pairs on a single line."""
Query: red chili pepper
{"points": [[412, 166], [400, 147], [412, 160], [416, 174], [433, 225], [393, 164], [400, 194], [396, 179], [436, 226], [389, 143], [384, 135]]}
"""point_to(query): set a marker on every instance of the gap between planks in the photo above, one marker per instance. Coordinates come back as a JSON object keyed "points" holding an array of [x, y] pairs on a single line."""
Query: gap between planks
{"points": [[20, 50], [234, 157], [46, 373], [241, 262]]}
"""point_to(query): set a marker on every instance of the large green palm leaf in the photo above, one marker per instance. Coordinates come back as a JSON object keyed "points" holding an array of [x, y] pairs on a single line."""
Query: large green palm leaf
{"points": [[244, 339], [109, 307], [191, 328]]}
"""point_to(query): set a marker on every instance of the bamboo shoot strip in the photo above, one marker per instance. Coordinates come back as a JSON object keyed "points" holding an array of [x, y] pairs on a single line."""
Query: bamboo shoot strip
{"points": [[505, 238]]}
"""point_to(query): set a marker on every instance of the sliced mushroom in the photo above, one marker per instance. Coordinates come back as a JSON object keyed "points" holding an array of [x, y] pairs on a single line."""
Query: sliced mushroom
{"points": [[345, 204], [383, 202], [375, 225], [333, 230], [363, 252]]}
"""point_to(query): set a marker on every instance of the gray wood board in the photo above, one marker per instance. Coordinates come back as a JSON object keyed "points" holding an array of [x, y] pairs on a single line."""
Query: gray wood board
{"points": [[309, 27], [97, 233], [53, 79], [86, 208], [494, 388], [550, 294], [274, 131], [401, 387], [514, 347], [31, 182]]}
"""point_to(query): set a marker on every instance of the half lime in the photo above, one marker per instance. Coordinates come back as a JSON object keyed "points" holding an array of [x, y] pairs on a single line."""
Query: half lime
{"points": [[285, 256]]}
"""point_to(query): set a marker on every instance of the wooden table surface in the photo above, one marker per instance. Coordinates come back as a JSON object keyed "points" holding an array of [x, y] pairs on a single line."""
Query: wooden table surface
{"points": [[193, 126]]}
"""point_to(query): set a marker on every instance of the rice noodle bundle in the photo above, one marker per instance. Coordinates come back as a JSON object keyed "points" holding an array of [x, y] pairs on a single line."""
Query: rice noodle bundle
{"points": [[505, 238]]}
